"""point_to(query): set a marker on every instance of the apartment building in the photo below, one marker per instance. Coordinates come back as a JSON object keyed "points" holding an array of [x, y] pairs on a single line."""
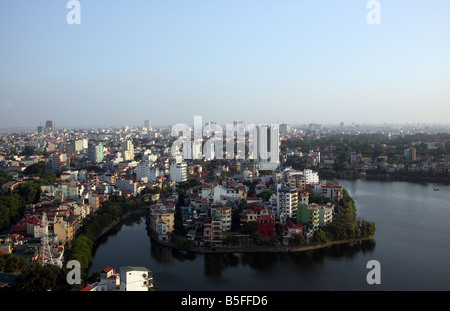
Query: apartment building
{"points": [[162, 220], [287, 199]]}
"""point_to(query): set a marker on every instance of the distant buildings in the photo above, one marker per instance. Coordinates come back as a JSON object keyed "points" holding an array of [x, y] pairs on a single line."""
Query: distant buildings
{"points": [[285, 128], [95, 152], [49, 127], [410, 154], [127, 150]]}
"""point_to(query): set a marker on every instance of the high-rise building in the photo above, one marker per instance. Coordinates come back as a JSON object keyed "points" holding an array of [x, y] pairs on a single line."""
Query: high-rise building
{"points": [[128, 151], [49, 127], [148, 124], [95, 152], [178, 171], [287, 200], [285, 128], [268, 146]]}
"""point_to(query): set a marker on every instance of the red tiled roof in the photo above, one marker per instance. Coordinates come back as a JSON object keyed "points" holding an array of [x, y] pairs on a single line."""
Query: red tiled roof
{"points": [[109, 269], [87, 288]]}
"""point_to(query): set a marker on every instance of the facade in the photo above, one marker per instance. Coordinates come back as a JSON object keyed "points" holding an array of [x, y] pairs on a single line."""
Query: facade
{"points": [[95, 152], [145, 169], [127, 150], [266, 226], [308, 215], [162, 220], [287, 199], [410, 154], [285, 128], [127, 185], [332, 191], [178, 172], [49, 127], [222, 213], [128, 279], [325, 214], [268, 153], [312, 177]]}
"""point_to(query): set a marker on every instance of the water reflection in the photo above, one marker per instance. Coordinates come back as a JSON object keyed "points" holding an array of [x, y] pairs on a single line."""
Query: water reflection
{"points": [[215, 264]]}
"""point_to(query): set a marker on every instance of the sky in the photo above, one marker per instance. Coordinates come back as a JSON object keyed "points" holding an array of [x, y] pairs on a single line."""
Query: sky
{"points": [[260, 61]]}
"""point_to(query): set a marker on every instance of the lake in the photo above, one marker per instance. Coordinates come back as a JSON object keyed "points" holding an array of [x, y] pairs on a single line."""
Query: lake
{"points": [[412, 245]]}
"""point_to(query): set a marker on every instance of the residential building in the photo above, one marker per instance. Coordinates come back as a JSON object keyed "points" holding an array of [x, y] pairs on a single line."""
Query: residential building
{"points": [[325, 214], [129, 278], [332, 191], [312, 177], [178, 172], [222, 213], [308, 215], [212, 232], [161, 220], [126, 185], [145, 169], [287, 199], [135, 279], [67, 228], [127, 150], [266, 226]]}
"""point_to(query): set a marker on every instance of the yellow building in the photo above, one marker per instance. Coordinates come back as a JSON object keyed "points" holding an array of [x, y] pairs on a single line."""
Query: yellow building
{"points": [[162, 220]]}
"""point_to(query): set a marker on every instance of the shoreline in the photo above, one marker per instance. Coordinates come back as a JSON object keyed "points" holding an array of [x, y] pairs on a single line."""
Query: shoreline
{"points": [[255, 249], [383, 177]]}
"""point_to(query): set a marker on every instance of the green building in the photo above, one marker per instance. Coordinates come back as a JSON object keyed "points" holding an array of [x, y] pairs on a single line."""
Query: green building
{"points": [[308, 215]]}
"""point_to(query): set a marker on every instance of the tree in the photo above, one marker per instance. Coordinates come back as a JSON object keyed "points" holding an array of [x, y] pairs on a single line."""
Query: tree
{"points": [[27, 151], [249, 227], [43, 278], [274, 241], [265, 195], [11, 263], [41, 170], [321, 237]]}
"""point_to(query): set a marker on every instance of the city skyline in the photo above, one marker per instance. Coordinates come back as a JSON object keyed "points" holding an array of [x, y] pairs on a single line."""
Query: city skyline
{"points": [[260, 62]]}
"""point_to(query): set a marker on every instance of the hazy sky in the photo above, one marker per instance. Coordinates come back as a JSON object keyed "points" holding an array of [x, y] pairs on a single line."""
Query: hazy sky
{"points": [[254, 60]]}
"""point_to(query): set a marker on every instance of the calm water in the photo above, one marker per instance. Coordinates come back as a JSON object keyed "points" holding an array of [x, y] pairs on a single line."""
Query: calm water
{"points": [[412, 244]]}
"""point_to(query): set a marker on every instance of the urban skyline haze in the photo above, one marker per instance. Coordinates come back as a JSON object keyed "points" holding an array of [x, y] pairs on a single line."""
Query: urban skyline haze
{"points": [[257, 61]]}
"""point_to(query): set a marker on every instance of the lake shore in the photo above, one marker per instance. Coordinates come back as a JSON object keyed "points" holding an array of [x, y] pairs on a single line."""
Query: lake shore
{"points": [[255, 249]]}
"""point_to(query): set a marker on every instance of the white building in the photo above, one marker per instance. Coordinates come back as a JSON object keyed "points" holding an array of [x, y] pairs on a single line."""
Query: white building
{"points": [[268, 146], [134, 278], [129, 279], [127, 150], [312, 177], [287, 200], [178, 172], [145, 170], [325, 214]]}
